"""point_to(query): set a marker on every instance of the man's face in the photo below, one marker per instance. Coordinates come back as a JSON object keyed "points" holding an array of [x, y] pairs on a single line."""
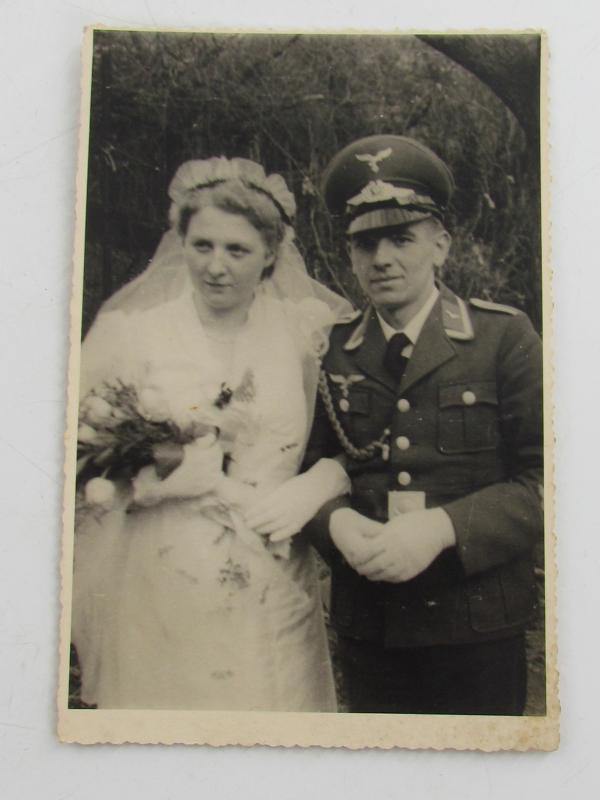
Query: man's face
{"points": [[395, 266]]}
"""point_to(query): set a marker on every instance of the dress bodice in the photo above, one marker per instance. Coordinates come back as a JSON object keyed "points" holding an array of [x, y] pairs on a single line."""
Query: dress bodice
{"points": [[165, 350]]}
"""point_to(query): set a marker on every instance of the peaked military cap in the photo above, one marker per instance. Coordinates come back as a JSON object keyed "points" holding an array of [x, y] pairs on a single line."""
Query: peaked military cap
{"points": [[386, 180]]}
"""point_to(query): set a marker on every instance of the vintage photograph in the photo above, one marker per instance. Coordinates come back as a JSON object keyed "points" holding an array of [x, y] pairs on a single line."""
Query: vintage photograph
{"points": [[310, 406]]}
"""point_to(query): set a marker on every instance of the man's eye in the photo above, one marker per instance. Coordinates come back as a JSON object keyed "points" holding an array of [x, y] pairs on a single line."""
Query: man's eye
{"points": [[365, 243], [400, 240]]}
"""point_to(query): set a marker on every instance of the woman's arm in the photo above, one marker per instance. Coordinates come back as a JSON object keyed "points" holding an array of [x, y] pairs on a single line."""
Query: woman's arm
{"points": [[288, 508]]}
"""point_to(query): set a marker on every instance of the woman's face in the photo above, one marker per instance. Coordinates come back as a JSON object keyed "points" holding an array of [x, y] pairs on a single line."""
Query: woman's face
{"points": [[226, 257]]}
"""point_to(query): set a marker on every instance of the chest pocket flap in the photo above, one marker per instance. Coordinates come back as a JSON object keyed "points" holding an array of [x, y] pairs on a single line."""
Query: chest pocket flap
{"points": [[468, 417]]}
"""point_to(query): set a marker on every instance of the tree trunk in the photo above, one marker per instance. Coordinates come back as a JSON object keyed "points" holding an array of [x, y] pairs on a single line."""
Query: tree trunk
{"points": [[509, 64]]}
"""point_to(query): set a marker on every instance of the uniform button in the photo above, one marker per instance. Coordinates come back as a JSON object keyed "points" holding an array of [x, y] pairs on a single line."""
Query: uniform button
{"points": [[403, 405], [468, 398], [404, 478], [402, 442], [344, 405]]}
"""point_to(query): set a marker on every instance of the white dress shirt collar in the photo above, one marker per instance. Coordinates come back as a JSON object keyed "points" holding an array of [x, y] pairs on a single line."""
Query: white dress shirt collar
{"points": [[415, 325]]}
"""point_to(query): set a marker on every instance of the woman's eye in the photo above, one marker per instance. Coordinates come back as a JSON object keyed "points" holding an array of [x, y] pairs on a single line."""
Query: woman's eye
{"points": [[237, 250], [202, 246]]}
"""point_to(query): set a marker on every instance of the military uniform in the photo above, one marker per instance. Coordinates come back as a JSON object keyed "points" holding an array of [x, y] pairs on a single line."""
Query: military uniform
{"points": [[465, 433], [460, 430]]}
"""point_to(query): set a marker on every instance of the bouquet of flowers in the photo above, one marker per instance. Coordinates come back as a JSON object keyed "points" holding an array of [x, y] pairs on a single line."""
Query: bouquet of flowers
{"points": [[123, 429], [131, 435]]}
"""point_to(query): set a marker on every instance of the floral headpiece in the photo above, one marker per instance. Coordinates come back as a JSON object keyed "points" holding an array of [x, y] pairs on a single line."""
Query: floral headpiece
{"points": [[194, 175]]}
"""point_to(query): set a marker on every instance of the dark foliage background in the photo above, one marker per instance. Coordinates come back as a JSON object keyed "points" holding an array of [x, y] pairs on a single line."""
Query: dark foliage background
{"points": [[290, 102]]}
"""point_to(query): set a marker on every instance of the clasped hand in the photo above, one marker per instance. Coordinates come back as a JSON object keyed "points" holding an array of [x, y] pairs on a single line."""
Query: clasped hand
{"points": [[396, 551]]}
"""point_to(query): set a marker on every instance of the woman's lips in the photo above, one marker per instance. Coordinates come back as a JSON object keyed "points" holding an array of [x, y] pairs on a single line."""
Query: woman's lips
{"points": [[216, 285]]}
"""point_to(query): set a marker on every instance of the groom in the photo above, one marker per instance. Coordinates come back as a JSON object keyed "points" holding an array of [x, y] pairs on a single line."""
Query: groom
{"points": [[435, 403]]}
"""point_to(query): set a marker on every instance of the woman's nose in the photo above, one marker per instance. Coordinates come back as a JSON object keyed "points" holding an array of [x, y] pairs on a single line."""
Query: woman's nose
{"points": [[216, 263]]}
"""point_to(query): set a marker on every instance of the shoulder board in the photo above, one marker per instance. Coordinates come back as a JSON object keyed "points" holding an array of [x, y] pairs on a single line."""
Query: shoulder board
{"points": [[486, 305]]}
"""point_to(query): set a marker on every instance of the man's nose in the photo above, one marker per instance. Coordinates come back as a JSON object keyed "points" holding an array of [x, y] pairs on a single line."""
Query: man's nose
{"points": [[382, 255]]}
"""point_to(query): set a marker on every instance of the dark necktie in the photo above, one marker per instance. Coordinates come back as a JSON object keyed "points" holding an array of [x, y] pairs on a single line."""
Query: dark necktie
{"points": [[393, 360]]}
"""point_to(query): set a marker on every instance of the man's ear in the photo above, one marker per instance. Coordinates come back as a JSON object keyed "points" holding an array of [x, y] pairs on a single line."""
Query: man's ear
{"points": [[348, 241], [442, 243], [269, 258]]}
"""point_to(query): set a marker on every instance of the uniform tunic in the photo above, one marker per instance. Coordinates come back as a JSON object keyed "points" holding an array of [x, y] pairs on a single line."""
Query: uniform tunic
{"points": [[465, 433]]}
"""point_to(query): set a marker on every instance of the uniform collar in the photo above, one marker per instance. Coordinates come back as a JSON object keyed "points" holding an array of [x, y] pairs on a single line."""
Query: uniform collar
{"points": [[454, 316], [415, 325]]}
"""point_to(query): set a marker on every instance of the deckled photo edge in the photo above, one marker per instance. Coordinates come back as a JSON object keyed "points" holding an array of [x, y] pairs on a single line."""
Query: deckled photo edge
{"points": [[352, 731], [72, 393], [551, 567]]}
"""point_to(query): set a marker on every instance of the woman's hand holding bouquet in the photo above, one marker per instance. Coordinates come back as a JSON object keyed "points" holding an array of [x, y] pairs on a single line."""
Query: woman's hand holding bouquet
{"points": [[128, 435], [199, 473], [121, 437]]}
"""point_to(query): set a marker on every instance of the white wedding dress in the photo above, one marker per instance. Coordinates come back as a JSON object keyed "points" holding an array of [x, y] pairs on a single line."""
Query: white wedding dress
{"points": [[174, 610]]}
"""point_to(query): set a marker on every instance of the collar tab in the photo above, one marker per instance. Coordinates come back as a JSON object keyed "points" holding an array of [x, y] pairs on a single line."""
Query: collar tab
{"points": [[455, 318], [358, 334]]}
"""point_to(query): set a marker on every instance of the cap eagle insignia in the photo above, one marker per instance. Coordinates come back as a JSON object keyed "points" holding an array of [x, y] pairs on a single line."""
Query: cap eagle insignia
{"points": [[373, 160]]}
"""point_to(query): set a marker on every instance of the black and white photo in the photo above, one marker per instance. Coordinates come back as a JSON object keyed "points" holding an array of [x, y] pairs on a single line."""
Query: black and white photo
{"points": [[308, 428]]}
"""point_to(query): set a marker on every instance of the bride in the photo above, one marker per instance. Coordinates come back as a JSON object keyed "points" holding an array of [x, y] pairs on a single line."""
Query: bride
{"points": [[191, 592]]}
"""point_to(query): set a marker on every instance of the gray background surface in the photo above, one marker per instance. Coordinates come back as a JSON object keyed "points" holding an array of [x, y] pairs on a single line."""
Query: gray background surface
{"points": [[39, 89]]}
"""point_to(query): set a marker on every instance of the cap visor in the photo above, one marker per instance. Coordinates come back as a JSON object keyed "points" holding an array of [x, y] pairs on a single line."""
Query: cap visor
{"points": [[385, 218]]}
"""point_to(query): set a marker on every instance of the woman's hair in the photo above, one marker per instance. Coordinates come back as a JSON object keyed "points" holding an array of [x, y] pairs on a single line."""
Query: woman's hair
{"points": [[234, 197]]}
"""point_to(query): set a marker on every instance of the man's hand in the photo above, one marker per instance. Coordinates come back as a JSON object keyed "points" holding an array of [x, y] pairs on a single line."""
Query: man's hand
{"points": [[407, 545], [355, 536]]}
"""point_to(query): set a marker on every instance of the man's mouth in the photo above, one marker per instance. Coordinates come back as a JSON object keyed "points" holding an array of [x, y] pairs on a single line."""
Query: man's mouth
{"points": [[382, 281]]}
